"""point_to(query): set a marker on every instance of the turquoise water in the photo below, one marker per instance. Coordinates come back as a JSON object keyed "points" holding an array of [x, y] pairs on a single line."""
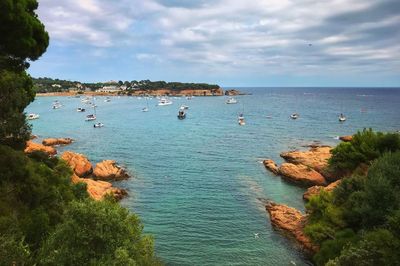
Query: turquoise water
{"points": [[197, 182]]}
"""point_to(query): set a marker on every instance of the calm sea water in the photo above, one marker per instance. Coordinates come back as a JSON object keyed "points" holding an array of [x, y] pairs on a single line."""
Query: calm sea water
{"points": [[197, 182]]}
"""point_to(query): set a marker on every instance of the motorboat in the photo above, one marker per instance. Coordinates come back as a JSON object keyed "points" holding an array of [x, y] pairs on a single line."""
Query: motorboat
{"points": [[107, 100], [189, 97], [90, 117], [294, 116], [342, 118], [57, 105], [241, 120], [79, 109], [145, 109], [164, 101], [33, 116], [181, 114], [98, 125], [231, 100], [184, 107]]}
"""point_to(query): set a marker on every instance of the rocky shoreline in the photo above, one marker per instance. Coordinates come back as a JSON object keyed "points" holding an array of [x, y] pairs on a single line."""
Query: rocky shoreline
{"points": [[308, 169], [96, 179]]}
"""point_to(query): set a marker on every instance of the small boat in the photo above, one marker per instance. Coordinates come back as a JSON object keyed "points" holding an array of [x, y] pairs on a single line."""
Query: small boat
{"points": [[241, 120], [145, 109], [184, 107], [107, 100], [79, 109], [98, 125], [294, 116], [57, 105], [342, 118], [189, 97], [164, 101], [90, 117], [231, 100], [181, 114], [33, 116]]}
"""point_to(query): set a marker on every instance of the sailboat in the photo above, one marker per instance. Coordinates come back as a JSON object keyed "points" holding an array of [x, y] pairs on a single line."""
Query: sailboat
{"points": [[92, 117], [342, 117], [241, 120], [146, 109]]}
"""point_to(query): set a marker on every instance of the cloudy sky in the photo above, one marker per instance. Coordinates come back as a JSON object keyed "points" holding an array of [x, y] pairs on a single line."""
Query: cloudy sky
{"points": [[228, 42]]}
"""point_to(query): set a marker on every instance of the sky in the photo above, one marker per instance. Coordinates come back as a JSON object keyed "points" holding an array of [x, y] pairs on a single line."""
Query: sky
{"points": [[226, 42]]}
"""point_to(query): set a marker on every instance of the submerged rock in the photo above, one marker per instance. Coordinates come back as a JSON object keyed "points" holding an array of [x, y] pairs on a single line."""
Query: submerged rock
{"points": [[54, 141], [290, 221], [314, 190], [99, 189], [78, 163], [271, 166], [32, 147], [301, 174], [109, 170]]}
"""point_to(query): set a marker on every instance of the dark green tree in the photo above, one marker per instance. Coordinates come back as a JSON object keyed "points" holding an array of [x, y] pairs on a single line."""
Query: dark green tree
{"points": [[23, 38]]}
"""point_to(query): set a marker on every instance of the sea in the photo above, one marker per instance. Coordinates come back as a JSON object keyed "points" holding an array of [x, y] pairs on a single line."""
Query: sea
{"points": [[197, 184]]}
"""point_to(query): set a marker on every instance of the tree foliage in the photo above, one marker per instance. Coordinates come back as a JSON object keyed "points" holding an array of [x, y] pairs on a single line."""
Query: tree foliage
{"points": [[359, 222]]}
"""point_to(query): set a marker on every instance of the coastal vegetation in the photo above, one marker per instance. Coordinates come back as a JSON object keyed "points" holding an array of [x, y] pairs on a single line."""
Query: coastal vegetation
{"points": [[44, 85], [358, 223], [45, 219]]}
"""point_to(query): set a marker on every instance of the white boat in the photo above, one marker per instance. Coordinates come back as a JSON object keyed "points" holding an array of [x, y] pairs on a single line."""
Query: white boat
{"points": [[145, 109], [342, 118], [33, 116], [164, 101], [181, 114], [241, 120], [107, 100], [231, 100], [85, 100], [79, 109], [98, 125], [90, 117], [184, 107], [294, 116], [57, 105]]}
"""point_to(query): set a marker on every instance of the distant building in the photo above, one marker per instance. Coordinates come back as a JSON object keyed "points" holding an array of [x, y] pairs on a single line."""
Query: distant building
{"points": [[110, 88], [56, 86]]}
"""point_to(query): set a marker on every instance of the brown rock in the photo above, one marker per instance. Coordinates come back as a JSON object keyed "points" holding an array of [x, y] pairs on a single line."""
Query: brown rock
{"points": [[316, 158], [302, 174], [290, 221], [53, 141], [314, 190], [109, 170], [78, 162], [271, 166], [99, 189], [32, 146], [346, 138]]}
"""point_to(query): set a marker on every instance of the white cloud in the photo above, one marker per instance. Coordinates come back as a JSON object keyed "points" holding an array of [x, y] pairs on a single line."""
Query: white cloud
{"points": [[257, 34]]}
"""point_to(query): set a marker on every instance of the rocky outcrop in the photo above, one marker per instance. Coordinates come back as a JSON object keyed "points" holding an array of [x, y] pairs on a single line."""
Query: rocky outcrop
{"points": [[314, 190], [271, 166], [346, 138], [109, 170], [99, 189], [316, 158], [32, 147], [54, 141], [78, 163], [232, 92], [301, 174], [291, 222]]}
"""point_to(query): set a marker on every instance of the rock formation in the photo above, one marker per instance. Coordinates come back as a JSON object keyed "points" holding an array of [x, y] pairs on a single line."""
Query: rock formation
{"points": [[109, 170], [78, 163], [271, 165], [99, 189], [314, 190], [290, 221], [346, 138], [301, 174], [32, 146], [316, 158], [53, 141]]}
